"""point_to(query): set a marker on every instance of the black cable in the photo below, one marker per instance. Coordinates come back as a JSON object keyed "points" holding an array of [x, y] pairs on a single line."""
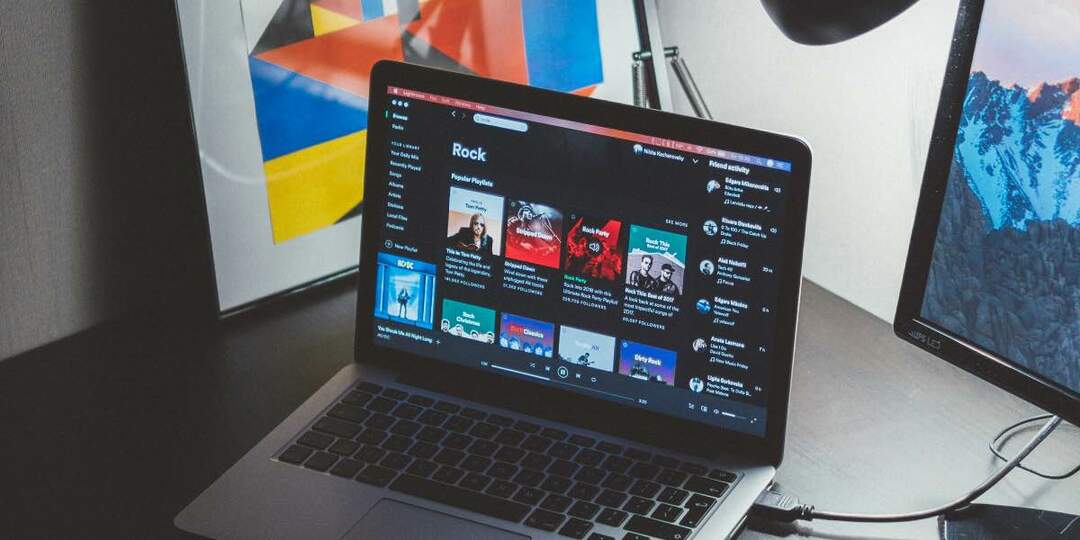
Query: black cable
{"points": [[781, 507], [996, 443]]}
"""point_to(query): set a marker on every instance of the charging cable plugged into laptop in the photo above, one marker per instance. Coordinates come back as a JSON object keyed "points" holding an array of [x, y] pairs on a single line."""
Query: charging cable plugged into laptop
{"points": [[774, 506]]}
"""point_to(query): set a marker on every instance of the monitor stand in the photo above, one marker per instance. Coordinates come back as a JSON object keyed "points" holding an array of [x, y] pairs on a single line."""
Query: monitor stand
{"points": [[992, 522]]}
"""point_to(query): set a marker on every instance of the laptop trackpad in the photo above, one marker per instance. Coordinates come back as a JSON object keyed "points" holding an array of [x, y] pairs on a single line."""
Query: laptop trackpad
{"points": [[394, 519]]}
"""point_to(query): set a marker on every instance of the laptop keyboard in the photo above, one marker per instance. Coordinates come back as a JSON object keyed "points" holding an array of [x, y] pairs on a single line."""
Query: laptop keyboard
{"points": [[507, 468]]}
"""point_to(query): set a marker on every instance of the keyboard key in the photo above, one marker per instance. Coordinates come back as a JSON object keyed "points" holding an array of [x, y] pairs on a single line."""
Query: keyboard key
{"points": [[431, 434], [598, 536], [476, 464], [617, 464], [318, 441], [447, 407], [637, 505], [449, 456], [475, 481], [556, 503], [458, 424], [295, 454], [372, 436], [406, 428], [612, 517], [693, 468], [635, 536], [589, 458], [704, 485], [611, 498], [644, 471], [484, 448], [536, 461], [556, 484], [657, 529], [562, 450], [395, 461], [617, 482], [474, 414], [432, 418], [504, 471], [342, 447], [461, 498], [371, 454], [529, 495], [381, 405], [422, 401], [723, 476], [666, 461], [369, 387], [509, 437], [422, 468], [544, 520], [509, 454], [553, 433], [696, 508], [536, 443], [609, 447], [529, 478], [484, 430], [502, 488], [457, 441], [348, 412], [423, 450], [583, 441], [340, 428], [584, 491], [448, 474], [671, 477], [397, 443], [394, 393], [575, 528], [376, 475], [380, 422], [645, 488], [407, 411], [590, 475], [563, 468], [346, 468], [637, 454], [500, 420], [667, 512], [672, 495], [584, 510], [527, 427], [700, 501]]}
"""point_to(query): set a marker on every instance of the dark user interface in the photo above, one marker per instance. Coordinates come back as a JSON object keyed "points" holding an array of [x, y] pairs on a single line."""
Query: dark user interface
{"points": [[580, 257]]}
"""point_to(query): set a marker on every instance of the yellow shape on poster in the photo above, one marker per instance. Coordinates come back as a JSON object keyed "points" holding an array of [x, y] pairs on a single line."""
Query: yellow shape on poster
{"points": [[313, 188], [324, 21]]}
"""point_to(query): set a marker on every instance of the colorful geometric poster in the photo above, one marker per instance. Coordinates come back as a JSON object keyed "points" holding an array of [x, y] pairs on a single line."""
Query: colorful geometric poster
{"points": [[468, 321], [586, 348], [533, 233], [405, 290], [656, 261], [310, 63], [647, 363], [527, 335], [474, 222]]}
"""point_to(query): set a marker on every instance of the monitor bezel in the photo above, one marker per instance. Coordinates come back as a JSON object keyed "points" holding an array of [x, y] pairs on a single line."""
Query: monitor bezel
{"points": [[908, 323], [590, 412]]}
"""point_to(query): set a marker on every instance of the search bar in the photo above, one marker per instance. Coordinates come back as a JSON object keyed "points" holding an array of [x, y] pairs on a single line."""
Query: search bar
{"points": [[505, 123]]}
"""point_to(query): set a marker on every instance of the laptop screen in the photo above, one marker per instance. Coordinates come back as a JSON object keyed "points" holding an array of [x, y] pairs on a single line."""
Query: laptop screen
{"points": [[620, 265]]}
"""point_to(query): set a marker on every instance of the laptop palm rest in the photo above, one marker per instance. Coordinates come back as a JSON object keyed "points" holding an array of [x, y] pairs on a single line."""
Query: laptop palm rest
{"points": [[394, 519]]}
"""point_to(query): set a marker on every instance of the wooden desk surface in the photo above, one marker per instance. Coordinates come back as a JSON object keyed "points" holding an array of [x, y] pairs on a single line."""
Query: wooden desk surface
{"points": [[111, 433]]}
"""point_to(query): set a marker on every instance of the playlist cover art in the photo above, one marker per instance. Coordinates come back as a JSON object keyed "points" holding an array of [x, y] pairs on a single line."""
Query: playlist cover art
{"points": [[405, 290], [657, 261], [586, 348], [592, 248], [647, 363], [527, 335], [468, 321], [532, 233], [475, 221]]}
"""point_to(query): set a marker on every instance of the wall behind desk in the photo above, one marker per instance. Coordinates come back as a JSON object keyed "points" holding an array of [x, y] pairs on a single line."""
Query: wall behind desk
{"points": [[100, 211], [866, 106]]}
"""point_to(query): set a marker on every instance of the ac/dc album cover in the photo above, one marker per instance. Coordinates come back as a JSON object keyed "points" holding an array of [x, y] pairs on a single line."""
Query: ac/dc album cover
{"points": [[592, 247], [533, 233]]}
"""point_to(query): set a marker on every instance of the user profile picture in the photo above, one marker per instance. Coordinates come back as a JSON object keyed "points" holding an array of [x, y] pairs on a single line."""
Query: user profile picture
{"points": [[699, 345], [638, 149], [712, 186], [707, 267], [697, 384], [710, 227], [703, 306]]}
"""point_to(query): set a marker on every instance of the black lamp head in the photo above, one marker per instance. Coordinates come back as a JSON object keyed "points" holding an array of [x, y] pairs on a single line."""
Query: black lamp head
{"points": [[824, 22]]}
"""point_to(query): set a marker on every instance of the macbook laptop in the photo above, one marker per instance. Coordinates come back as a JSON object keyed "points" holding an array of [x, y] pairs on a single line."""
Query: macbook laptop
{"points": [[575, 319]]}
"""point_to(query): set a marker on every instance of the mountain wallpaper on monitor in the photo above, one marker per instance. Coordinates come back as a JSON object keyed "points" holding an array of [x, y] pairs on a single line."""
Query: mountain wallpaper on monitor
{"points": [[1005, 272]]}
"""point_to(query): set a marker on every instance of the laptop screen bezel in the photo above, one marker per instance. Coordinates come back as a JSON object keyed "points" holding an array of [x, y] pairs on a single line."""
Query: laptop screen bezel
{"points": [[909, 324], [562, 405]]}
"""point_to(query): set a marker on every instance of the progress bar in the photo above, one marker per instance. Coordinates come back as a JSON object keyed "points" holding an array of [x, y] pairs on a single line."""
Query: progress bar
{"points": [[525, 373]]}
